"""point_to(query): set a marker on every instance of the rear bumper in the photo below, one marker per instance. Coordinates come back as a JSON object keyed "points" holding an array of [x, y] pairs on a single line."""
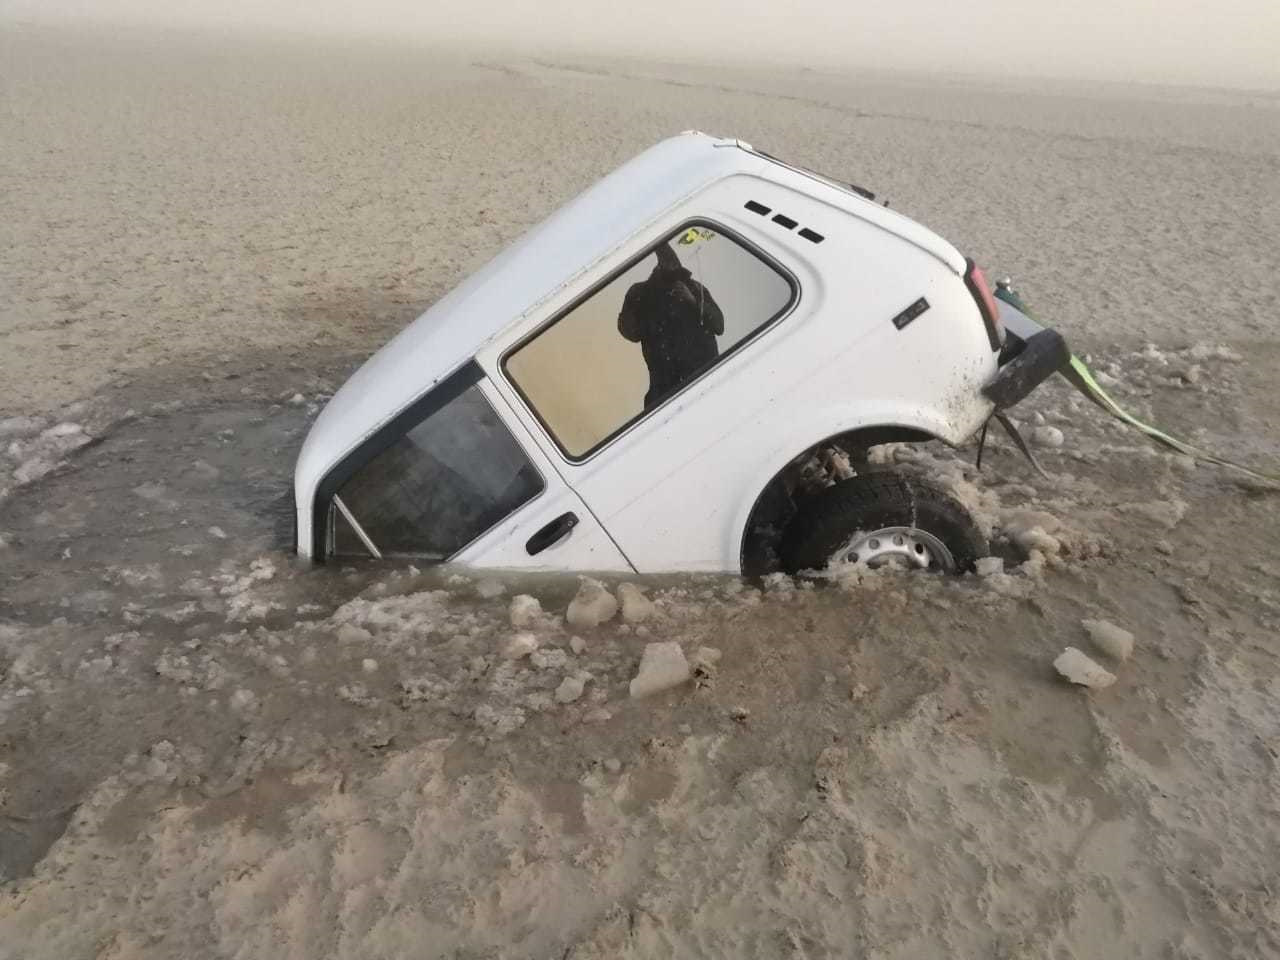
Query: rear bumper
{"points": [[1030, 356]]}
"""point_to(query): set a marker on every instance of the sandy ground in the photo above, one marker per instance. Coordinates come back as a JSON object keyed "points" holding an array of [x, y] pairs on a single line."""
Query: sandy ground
{"points": [[166, 197], [205, 752]]}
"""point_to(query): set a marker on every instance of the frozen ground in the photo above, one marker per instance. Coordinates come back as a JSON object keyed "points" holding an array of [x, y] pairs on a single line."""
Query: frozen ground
{"points": [[207, 752], [168, 197]]}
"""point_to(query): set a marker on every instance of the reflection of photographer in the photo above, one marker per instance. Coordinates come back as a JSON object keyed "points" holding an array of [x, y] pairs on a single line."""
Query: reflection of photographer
{"points": [[675, 320]]}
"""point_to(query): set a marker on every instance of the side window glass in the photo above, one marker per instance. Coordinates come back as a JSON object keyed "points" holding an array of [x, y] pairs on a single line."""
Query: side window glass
{"points": [[437, 487], [659, 324]]}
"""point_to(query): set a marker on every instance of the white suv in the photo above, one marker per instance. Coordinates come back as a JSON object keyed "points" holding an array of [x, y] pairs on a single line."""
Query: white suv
{"points": [[638, 383]]}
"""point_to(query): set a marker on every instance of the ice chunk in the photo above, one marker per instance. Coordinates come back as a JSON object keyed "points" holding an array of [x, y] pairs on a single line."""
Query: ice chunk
{"points": [[525, 611], [174, 667], [1078, 668], [33, 470], [662, 666], [704, 666], [369, 665], [549, 659], [1047, 436], [95, 668], [426, 687], [19, 427], [489, 589], [577, 645], [1114, 641], [636, 607], [499, 721], [570, 689], [1015, 521], [62, 430], [1167, 513], [706, 657], [260, 569], [1036, 538], [1153, 353], [521, 645], [205, 470], [350, 633], [1211, 351], [244, 702], [161, 760], [44, 454], [989, 566], [592, 605], [539, 701], [356, 694]]}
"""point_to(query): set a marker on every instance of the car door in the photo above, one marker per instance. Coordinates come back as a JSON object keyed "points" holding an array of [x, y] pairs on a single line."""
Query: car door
{"points": [[553, 531], [457, 478], [628, 381]]}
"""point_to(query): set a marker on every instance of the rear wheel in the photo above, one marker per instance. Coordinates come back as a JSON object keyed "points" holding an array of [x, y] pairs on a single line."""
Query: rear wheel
{"points": [[883, 518]]}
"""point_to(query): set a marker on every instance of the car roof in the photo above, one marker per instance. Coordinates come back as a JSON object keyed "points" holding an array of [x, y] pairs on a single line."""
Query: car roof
{"points": [[549, 256]]}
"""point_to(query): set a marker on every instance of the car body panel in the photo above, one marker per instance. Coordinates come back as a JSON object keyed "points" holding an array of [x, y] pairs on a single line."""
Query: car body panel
{"points": [[674, 490], [713, 434]]}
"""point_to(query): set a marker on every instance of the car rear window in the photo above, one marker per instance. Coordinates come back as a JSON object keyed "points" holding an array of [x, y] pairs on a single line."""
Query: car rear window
{"points": [[647, 332]]}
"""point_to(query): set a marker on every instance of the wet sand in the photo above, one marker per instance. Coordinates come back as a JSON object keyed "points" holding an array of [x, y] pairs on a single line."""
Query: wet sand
{"points": [[207, 751]]}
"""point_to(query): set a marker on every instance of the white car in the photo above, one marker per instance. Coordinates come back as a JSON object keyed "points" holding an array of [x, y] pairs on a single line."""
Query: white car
{"points": [[645, 381]]}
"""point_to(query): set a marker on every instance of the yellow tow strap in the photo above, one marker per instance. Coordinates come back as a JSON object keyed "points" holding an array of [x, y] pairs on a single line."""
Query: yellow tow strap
{"points": [[1083, 380]]}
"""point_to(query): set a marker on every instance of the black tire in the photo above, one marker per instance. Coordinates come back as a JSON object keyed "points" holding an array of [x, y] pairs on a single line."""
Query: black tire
{"points": [[828, 520]]}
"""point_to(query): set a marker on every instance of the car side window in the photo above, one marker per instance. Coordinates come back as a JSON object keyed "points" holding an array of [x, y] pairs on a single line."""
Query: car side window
{"points": [[437, 486], [651, 329]]}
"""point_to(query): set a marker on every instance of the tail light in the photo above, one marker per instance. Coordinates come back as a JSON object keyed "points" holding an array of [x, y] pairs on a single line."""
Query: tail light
{"points": [[976, 281]]}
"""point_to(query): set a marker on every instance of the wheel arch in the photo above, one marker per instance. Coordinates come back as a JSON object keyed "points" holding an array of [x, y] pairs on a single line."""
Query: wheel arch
{"points": [[861, 435]]}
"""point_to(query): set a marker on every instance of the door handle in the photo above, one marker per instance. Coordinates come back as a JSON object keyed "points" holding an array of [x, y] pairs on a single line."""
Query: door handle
{"points": [[552, 533]]}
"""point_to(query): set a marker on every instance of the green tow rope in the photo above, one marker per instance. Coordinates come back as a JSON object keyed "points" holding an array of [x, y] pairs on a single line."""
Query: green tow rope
{"points": [[1081, 377]]}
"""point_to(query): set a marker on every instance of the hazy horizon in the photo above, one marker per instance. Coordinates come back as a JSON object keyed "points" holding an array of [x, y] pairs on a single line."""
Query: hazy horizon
{"points": [[1174, 42]]}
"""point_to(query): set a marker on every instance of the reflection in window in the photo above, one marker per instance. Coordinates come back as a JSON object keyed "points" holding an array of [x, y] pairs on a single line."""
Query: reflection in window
{"points": [[658, 325], [438, 487]]}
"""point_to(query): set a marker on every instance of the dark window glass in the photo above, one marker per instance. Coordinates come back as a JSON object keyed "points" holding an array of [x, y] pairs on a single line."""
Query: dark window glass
{"points": [[438, 487], [662, 322]]}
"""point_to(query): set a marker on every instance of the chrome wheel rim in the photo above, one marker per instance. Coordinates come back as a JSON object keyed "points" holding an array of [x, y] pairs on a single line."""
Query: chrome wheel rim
{"points": [[907, 547]]}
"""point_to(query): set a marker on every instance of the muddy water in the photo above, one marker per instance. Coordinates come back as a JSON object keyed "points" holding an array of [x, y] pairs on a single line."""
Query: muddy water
{"points": [[122, 535], [156, 635]]}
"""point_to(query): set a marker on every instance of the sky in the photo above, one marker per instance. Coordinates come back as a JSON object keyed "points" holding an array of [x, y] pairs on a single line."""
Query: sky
{"points": [[1221, 43]]}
